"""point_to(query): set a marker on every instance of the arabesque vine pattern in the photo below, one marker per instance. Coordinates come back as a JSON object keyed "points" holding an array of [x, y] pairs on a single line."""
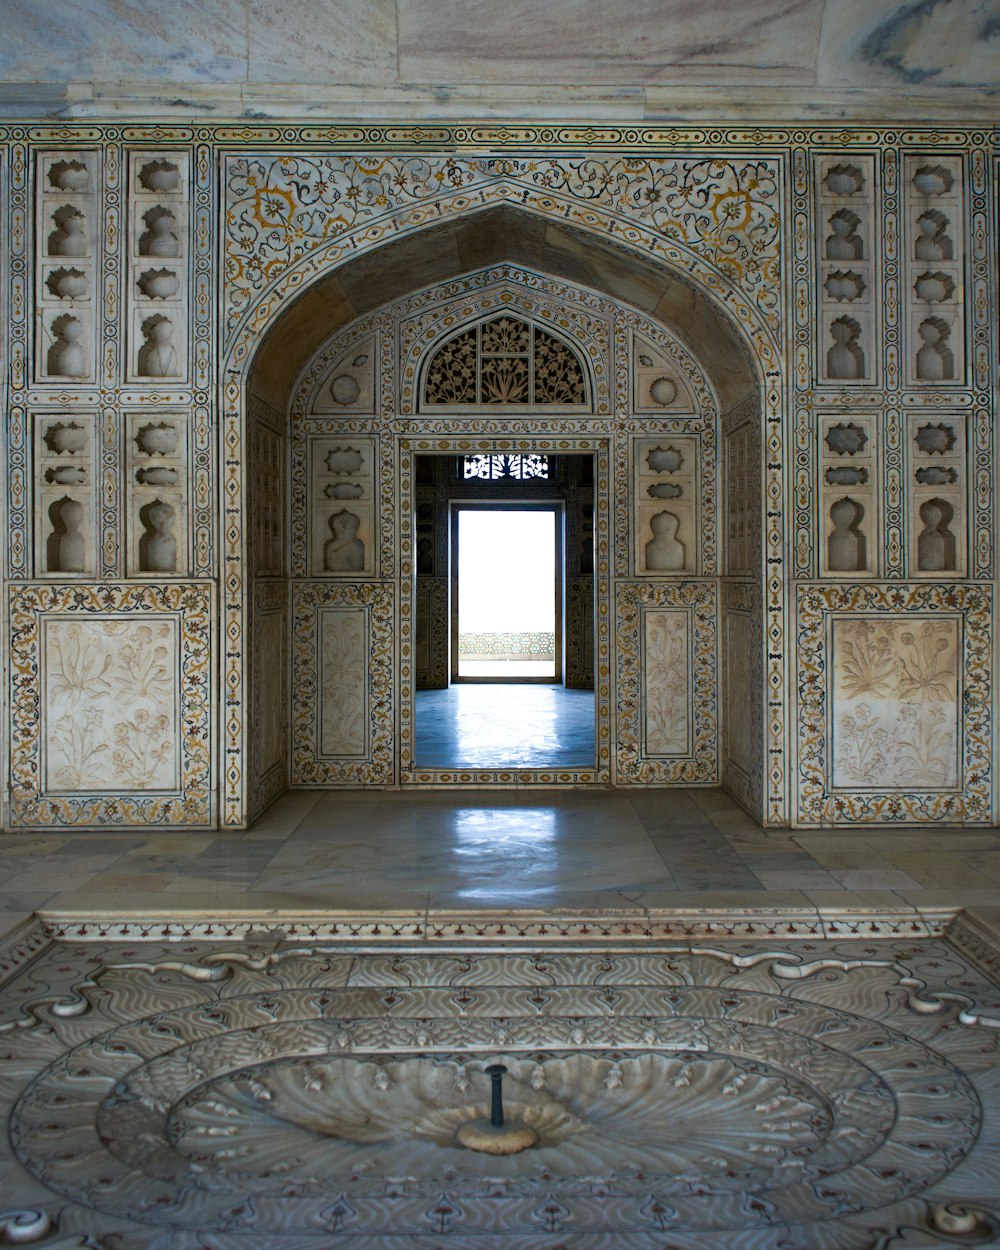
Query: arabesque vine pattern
{"points": [[282, 208]]}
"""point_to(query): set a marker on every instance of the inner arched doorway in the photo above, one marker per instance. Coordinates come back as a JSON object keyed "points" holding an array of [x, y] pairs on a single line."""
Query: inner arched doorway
{"points": [[339, 410]]}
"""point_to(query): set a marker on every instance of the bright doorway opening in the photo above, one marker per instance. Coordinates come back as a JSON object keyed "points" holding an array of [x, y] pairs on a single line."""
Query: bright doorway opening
{"points": [[507, 605]]}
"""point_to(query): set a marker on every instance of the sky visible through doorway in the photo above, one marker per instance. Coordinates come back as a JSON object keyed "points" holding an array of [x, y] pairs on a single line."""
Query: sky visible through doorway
{"points": [[506, 578]]}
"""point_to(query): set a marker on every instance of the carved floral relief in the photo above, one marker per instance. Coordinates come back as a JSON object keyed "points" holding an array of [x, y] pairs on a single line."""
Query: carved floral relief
{"points": [[667, 682], [343, 708], [895, 703], [123, 677], [109, 697], [343, 679]]}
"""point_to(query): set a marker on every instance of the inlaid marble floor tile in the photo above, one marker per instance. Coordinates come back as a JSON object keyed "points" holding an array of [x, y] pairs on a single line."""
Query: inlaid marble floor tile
{"points": [[877, 878], [797, 879], [986, 862], [939, 869]]}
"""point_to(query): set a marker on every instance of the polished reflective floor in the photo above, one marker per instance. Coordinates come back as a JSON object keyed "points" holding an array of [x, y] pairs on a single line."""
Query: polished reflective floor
{"points": [[504, 726], [513, 848]]}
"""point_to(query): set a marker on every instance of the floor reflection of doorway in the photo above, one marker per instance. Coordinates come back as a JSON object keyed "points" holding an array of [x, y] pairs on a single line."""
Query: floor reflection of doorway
{"points": [[507, 593], [504, 725]]}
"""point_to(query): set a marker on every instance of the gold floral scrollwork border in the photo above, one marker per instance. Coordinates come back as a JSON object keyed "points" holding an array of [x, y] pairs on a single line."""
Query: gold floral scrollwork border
{"points": [[817, 609], [191, 605], [633, 601], [377, 601]]}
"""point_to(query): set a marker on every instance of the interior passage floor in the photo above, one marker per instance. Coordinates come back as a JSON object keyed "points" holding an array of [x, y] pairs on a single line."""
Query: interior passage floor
{"points": [[528, 848], [504, 726]]}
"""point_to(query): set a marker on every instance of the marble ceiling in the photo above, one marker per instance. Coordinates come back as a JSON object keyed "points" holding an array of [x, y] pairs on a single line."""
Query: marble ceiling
{"points": [[652, 58]]}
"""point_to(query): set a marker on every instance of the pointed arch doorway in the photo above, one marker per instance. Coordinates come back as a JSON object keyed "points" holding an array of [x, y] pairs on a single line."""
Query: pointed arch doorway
{"points": [[677, 643]]}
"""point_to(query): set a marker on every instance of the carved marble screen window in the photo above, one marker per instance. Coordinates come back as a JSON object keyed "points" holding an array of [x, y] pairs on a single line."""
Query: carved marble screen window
{"points": [[505, 361]]}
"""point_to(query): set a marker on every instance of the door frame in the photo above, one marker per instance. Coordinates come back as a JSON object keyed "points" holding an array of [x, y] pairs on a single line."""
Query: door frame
{"points": [[444, 439]]}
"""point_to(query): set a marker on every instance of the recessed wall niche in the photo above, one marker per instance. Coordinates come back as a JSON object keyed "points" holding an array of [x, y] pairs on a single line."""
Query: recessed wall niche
{"points": [[937, 447], [65, 513], [658, 384], [349, 385], [666, 476], [845, 199], [66, 217], [156, 455], [847, 495], [341, 532], [934, 246], [158, 268]]}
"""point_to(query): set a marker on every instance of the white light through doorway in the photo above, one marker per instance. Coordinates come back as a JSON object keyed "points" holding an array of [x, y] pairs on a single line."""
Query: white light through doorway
{"points": [[507, 584]]}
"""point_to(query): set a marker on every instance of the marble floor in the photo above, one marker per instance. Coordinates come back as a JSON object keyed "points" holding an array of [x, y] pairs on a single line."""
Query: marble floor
{"points": [[536, 849], [504, 726], [268, 1040]]}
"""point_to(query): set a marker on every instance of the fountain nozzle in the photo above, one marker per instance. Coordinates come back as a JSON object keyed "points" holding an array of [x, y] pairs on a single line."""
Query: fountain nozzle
{"points": [[496, 1136]]}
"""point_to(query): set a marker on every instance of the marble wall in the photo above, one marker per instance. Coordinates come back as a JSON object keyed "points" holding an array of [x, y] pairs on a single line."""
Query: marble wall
{"points": [[786, 380]]}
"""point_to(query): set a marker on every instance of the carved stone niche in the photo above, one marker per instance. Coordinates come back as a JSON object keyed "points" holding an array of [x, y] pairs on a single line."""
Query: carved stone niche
{"points": [[845, 353], [348, 386], [64, 486], [157, 494], [158, 267], [66, 222], [934, 254], [845, 249], [937, 495], [161, 177], [68, 346], [659, 385], [70, 174], [848, 499], [667, 481], [341, 532], [70, 234]]}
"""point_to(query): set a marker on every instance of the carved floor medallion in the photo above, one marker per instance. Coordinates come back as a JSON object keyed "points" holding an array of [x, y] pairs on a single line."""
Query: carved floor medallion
{"points": [[176, 1093]]}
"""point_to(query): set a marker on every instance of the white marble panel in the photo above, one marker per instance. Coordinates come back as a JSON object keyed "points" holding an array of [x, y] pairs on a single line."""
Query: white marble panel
{"points": [[115, 40], [948, 43], [271, 653], [739, 695], [895, 703], [303, 42], [344, 681], [110, 692], [666, 653], [585, 41]]}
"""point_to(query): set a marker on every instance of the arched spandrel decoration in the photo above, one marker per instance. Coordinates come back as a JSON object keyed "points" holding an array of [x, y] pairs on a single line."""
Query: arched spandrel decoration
{"points": [[504, 360]]}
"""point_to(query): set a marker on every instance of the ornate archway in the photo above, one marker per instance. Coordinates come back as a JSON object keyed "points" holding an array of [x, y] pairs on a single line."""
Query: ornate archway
{"points": [[442, 252]]}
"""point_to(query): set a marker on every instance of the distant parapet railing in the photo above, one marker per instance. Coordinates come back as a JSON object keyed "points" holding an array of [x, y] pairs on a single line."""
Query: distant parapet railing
{"points": [[501, 645]]}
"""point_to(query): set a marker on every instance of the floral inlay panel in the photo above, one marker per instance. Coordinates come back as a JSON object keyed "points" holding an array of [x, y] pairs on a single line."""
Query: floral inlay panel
{"points": [[343, 709], [895, 703], [281, 209], [123, 676], [895, 692], [666, 689], [110, 720]]}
